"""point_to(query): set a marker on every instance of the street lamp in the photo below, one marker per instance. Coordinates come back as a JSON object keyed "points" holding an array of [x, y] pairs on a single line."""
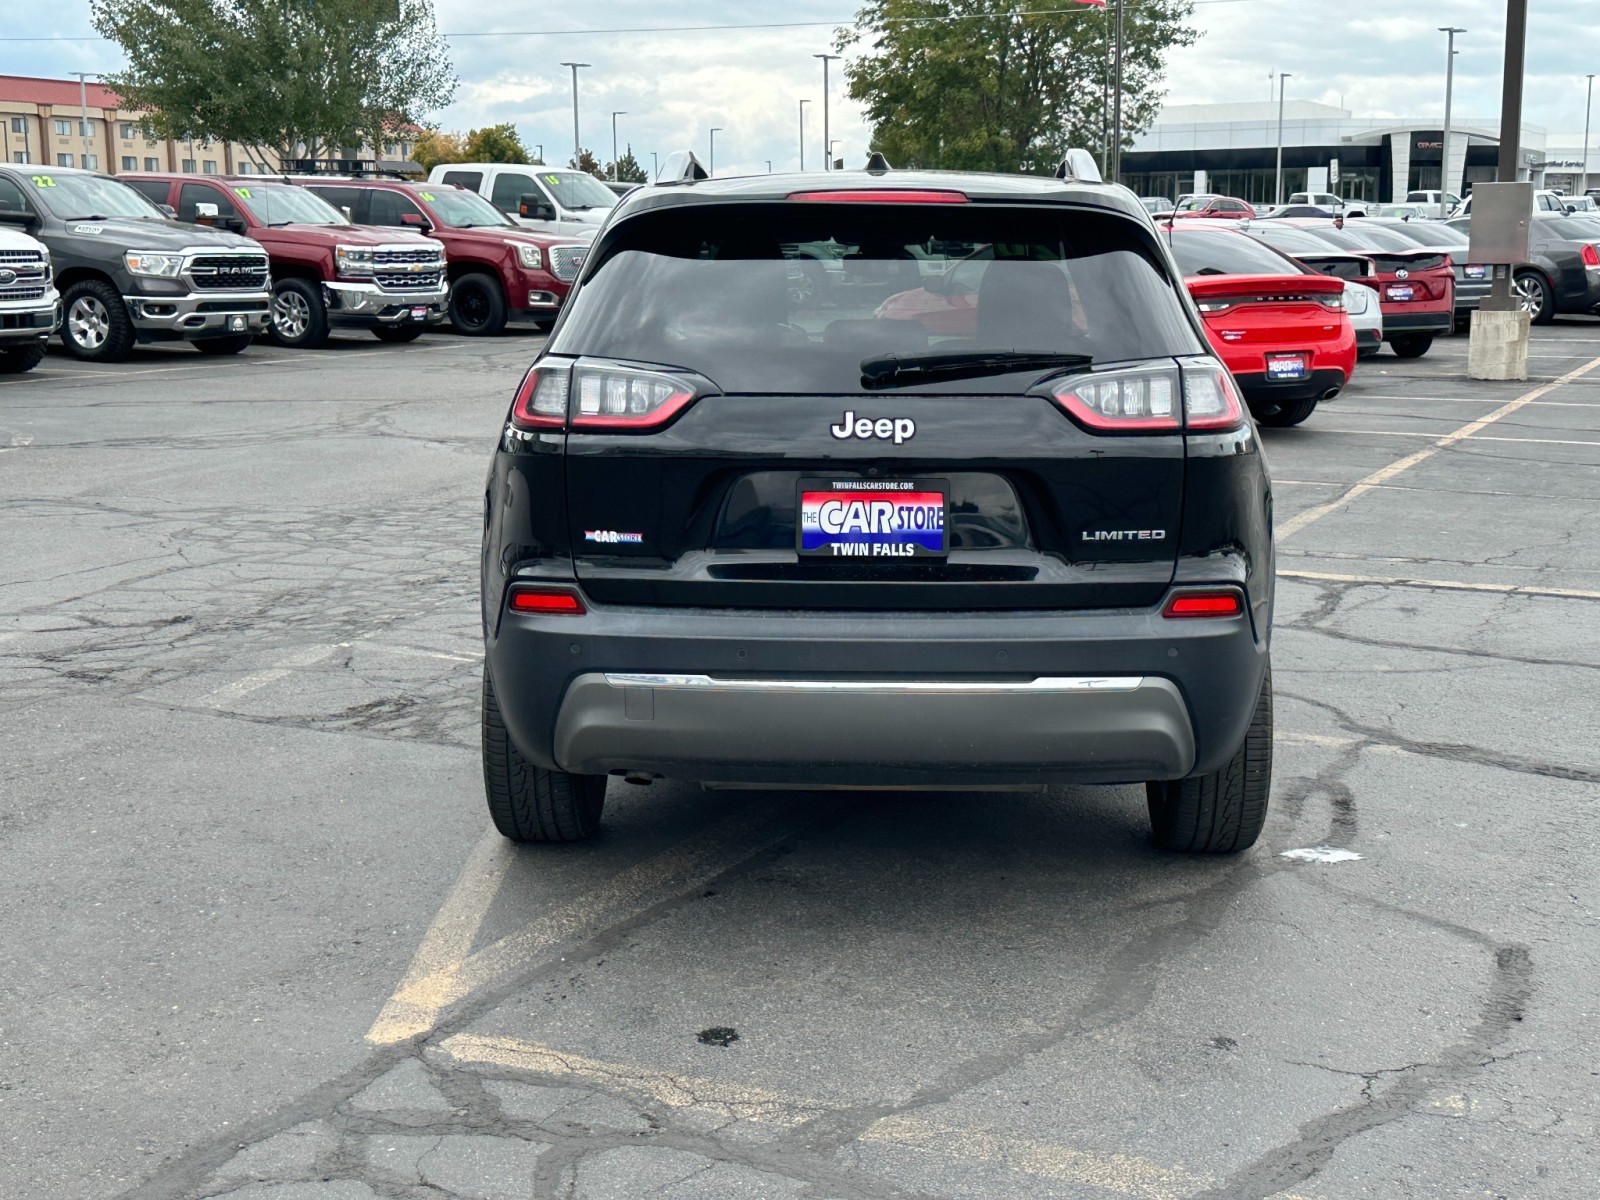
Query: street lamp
{"points": [[711, 168], [1450, 32], [1588, 109], [803, 104], [614, 116], [1282, 75], [577, 145], [826, 145], [83, 105]]}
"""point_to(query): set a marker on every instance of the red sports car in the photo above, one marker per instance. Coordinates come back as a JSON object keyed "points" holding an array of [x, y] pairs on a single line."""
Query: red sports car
{"points": [[1221, 208], [1280, 327]]}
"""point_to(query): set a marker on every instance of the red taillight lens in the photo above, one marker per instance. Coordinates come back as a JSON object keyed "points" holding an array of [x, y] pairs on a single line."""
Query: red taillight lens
{"points": [[541, 401], [1138, 401], [1210, 397], [547, 601], [881, 196], [1219, 602], [1591, 257]]}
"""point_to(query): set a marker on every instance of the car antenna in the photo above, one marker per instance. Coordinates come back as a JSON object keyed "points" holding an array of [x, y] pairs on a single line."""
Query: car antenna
{"points": [[683, 167], [1078, 164], [877, 164]]}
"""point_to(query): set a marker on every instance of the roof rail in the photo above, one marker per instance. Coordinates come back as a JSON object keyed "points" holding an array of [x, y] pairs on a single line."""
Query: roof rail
{"points": [[1079, 164], [877, 164], [681, 167]]}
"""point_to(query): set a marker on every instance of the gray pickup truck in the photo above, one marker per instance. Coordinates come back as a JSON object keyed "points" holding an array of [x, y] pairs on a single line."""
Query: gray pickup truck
{"points": [[130, 274], [30, 306]]}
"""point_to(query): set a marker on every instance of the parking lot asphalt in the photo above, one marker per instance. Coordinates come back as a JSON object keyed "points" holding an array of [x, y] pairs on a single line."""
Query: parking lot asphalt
{"points": [[260, 942]]}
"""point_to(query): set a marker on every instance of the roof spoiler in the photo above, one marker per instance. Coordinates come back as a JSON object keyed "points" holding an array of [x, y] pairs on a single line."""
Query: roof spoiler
{"points": [[682, 167], [1079, 165]]}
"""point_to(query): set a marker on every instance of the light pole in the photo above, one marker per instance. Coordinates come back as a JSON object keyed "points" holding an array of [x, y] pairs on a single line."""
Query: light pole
{"points": [[577, 145], [1450, 32], [1278, 192], [711, 168], [1588, 110], [826, 144], [803, 104], [83, 110], [614, 116], [1116, 103]]}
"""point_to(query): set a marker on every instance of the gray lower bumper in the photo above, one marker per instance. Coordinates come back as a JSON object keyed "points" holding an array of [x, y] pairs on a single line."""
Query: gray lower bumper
{"points": [[199, 314], [810, 731], [29, 325]]}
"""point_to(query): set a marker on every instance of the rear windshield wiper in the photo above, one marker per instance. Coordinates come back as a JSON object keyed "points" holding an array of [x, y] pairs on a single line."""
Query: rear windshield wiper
{"points": [[893, 370]]}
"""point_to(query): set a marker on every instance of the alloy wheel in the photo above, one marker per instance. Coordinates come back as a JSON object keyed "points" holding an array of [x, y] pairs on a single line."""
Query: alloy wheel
{"points": [[88, 322], [291, 315], [1530, 294]]}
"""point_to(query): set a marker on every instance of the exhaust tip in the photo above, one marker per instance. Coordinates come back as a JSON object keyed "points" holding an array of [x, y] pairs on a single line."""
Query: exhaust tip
{"points": [[1330, 393]]}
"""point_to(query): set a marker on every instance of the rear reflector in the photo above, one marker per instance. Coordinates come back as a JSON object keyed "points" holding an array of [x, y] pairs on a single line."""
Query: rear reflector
{"points": [[549, 601], [1224, 602], [880, 196]]}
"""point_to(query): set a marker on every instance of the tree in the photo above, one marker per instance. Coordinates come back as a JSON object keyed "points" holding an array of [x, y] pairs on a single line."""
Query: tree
{"points": [[434, 147], [497, 143], [586, 161], [1008, 82], [296, 78], [627, 169]]}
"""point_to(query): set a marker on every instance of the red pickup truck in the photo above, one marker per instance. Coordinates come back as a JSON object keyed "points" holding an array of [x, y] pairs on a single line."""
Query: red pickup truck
{"points": [[326, 272], [499, 270]]}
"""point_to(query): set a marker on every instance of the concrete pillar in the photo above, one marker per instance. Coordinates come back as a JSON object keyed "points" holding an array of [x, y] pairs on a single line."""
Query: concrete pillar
{"points": [[1400, 166], [1499, 345], [1455, 162]]}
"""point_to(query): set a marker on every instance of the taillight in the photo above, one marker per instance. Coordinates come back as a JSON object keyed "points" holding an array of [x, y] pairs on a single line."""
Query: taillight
{"points": [[1591, 257], [1147, 399], [1204, 602], [591, 395], [546, 600], [881, 196]]}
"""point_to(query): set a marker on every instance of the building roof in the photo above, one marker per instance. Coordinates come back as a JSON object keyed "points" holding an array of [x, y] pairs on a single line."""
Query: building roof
{"points": [[31, 89]]}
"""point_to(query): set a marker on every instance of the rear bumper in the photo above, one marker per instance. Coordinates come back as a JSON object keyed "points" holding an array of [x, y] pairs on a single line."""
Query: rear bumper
{"points": [[1368, 340], [1317, 385], [877, 699], [1407, 321]]}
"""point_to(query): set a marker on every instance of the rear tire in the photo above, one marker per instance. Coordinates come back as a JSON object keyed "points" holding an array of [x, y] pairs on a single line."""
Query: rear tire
{"points": [[398, 333], [477, 306], [299, 318], [1284, 415], [15, 360], [1411, 345], [1220, 813], [1534, 293], [95, 325], [224, 345], [526, 802]]}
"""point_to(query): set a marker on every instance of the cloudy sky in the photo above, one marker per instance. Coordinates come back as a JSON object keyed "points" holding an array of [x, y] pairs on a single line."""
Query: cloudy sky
{"points": [[1380, 59]]}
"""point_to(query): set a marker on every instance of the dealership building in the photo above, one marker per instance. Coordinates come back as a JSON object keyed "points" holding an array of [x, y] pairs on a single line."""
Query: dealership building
{"points": [[1232, 149]]}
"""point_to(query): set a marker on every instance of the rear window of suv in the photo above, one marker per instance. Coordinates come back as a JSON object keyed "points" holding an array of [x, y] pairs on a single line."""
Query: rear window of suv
{"points": [[791, 298]]}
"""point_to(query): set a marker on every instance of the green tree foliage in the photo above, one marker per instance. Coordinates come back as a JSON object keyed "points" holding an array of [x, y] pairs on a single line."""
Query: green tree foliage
{"points": [[299, 78], [1006, 83], [586, 161], [434, 147], [496, 143], [627, 169]]}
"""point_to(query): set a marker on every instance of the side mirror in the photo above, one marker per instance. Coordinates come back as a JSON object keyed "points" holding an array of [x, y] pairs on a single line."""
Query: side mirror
{"points": [[11, 217], [205, 214], [169, 210], [345, 209], [231, 224], [534, 207], [1571, 208], [415, 221]]}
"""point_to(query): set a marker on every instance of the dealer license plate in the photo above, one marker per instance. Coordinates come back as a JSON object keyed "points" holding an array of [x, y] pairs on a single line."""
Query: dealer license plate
{"points": [[236, 325], [1286, 366], [1400, 291], [873, 518], [1477, 272], [419, 314]]}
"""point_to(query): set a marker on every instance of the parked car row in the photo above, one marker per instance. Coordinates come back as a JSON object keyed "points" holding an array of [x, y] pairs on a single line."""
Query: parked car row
{"points": [[217, 261]]}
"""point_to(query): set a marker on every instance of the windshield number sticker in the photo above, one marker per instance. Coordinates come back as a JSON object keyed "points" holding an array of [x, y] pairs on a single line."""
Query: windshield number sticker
{"points": [[553, 179], [428, 196], [242, 193], [43, 181]]}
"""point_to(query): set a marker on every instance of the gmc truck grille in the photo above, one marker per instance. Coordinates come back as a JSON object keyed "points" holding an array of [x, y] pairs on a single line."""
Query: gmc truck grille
{"points": [[219, 272], [567, 261], [394, 258], [426, 282]]}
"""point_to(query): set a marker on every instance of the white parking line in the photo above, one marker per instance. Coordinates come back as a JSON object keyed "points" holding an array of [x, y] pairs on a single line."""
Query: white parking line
{"points": [[239, 688]]}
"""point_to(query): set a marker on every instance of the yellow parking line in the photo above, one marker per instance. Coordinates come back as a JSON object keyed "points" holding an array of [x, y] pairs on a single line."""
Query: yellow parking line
{"points": [[1381, 476], [1415, 433], [1451, 585], [724, 1100]]}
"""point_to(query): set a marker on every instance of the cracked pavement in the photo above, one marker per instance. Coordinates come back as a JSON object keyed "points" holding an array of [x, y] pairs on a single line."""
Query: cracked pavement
{"points": [[258, 943]]}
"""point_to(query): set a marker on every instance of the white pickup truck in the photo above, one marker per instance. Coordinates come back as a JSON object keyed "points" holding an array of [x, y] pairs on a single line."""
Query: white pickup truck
{"points": [[30, 306], [558, 199]]}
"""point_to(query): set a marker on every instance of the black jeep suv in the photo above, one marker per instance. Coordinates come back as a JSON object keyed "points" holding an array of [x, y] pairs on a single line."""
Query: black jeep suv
{"points": [[982, 511]]}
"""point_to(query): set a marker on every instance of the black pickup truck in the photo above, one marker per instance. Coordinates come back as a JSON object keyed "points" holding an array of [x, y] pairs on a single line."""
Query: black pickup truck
{"points": [[128, 273]]}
